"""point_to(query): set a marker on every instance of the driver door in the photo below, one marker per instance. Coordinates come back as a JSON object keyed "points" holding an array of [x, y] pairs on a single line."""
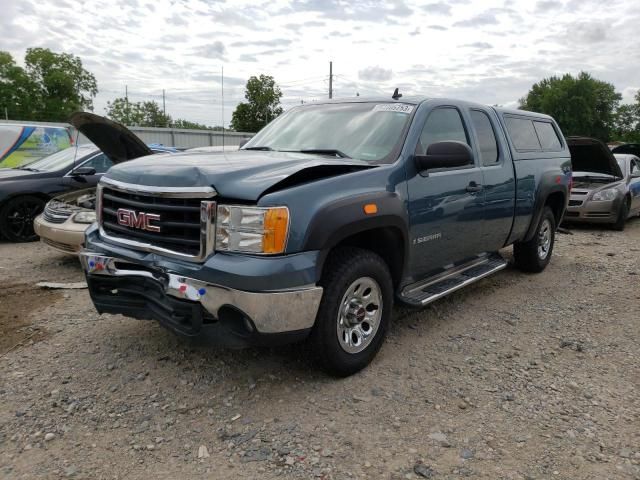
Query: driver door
{"points": [[446, 207], [100, 163]]}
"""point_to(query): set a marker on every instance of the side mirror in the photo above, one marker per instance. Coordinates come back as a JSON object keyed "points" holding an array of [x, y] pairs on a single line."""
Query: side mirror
{"points": [[445, 155], [83, 172]]}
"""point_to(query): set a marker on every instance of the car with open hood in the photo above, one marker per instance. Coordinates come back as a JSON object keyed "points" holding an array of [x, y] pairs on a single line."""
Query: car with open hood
{"points": [[606, 185], [324, 219]]}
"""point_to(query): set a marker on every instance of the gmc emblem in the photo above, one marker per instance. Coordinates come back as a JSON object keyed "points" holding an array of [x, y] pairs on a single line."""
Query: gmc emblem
{"points": [[141, 220]]}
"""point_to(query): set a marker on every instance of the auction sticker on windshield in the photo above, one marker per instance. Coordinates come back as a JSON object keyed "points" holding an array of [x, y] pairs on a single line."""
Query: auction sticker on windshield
{"points": [[393, 107]]}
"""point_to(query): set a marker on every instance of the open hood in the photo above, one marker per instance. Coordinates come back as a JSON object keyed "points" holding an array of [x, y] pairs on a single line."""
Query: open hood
{"points": [[592, 155], [118, 142], [628, 148]]}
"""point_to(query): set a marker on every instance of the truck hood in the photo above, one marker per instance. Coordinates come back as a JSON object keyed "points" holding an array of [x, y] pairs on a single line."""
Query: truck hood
{"points": [[114, 139], [592, 155], [240, 174]]}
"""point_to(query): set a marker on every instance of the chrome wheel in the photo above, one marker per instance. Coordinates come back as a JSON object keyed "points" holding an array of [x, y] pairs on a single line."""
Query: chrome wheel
{"points": [[544, 239], [359, 315]]}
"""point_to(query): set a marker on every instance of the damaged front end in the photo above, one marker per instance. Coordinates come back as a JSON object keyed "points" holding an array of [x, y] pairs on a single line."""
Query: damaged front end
{"points": [[65, 219]]}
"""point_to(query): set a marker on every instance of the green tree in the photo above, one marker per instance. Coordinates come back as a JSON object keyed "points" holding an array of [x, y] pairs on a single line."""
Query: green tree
{"points": [[141, 114], [17, 91], [263, 105], [49, 88], [627, 122], [581, 105]]}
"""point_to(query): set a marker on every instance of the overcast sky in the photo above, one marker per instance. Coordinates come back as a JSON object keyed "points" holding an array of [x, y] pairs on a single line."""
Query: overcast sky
{"points": [[489, 51]]}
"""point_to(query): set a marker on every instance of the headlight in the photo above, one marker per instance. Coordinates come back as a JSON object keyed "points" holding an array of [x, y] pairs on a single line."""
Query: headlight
{"points": [[608, 194], [252, 229], [85, 217]]}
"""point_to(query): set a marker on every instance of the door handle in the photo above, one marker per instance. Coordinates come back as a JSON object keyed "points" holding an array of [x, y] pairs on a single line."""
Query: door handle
{"points": [[474, 187]]}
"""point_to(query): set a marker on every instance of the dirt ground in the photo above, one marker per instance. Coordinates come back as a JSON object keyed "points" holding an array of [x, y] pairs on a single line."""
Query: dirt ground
{"points": [[517, 377]]}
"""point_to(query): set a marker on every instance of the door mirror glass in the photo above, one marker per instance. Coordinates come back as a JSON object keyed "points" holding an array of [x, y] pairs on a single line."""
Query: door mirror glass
{"points": [[445, 155], [83, 172]]}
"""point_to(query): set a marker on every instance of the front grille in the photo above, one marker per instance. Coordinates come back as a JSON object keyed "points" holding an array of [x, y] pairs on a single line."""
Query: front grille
{"points": [[56, 215], [572, 214], [182, 228], [575, 203], [598, 214]]}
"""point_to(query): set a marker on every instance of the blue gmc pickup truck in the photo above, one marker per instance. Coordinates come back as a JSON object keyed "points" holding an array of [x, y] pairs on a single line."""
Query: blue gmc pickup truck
{"points": [[323, 220]]}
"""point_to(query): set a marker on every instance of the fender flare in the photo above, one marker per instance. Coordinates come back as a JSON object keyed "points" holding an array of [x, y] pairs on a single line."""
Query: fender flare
{"points": [[344, 218]]}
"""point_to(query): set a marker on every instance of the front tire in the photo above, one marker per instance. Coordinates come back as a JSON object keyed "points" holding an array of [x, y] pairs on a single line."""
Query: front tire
{"points": [[355, 311], [533, 256], [623, 214], [17, 216]]}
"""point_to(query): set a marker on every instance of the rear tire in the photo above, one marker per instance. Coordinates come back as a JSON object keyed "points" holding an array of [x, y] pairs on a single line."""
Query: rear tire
{"points": [[354, 313], [623, 214], [533, 256], [17, 216]]}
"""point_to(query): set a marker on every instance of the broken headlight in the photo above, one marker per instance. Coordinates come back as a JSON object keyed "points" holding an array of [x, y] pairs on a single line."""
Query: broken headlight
{"points": [[85, 217]]}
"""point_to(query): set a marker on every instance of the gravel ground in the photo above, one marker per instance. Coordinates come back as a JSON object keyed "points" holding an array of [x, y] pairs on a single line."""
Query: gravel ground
{"points": [[517, 377]]}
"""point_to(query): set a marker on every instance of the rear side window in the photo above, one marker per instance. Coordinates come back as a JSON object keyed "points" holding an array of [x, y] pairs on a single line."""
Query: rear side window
{"points": [[486, 138], [443, 124], [522, 133], [548, 136]]}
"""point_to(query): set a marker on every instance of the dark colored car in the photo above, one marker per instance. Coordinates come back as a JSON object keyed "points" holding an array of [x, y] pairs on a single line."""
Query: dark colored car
{"points": [[24, 191], [324, 219]]}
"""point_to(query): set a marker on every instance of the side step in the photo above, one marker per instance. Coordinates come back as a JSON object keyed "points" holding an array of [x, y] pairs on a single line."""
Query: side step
{"points": [[434, 288]]}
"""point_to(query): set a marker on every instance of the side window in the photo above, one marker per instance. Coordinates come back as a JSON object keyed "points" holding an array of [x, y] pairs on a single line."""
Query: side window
{"points": [[100, 163], [547, 136], [443, 124], [486, 137], [635, 167], [522, 133]]}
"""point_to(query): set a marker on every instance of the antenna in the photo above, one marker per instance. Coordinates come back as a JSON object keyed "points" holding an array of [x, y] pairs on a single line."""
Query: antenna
{"points": [[396, 95]]}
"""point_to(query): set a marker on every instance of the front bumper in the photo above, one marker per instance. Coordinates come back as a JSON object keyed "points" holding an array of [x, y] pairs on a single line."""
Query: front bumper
{"points": [[196, 308], [66, 237], [593, 212]]}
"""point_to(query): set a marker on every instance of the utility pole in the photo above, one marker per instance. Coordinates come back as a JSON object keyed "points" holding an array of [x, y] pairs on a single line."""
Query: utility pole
{"points": [[126, 103], [330, 79], [164, 108], [6, 115], [222, 88]]}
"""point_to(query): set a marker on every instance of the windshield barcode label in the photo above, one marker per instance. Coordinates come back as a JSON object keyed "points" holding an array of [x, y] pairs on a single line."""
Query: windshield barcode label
{"points": [[393, 107]]}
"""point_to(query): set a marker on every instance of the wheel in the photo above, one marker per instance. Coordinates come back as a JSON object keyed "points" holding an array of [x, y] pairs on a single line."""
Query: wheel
{"points": [[623, 214], [17, 216], [534, 255], [354, 312]]}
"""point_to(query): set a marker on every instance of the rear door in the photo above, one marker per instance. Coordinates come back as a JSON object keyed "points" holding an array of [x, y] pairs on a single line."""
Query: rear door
{"points": [[446, 205], [499, 180]]}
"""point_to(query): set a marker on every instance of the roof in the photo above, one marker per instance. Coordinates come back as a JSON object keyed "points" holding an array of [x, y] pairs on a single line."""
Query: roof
{"points": [[415, 100]]}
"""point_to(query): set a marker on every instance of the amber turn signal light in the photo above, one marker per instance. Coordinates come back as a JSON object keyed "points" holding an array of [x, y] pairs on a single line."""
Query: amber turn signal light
{"points": [[370, 208], [276, 227]]}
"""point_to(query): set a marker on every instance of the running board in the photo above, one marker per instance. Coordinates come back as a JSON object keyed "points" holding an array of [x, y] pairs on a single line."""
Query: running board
{"points": [[434, 288]]}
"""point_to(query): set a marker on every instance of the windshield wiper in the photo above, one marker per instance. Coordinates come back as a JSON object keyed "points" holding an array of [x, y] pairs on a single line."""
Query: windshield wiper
{"points": [[326, 151], [28, 168], [263, 148]]}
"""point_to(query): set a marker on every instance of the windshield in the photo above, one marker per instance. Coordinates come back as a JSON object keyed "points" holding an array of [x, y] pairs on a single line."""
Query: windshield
{"points": [[622, 163], [361, 131], [62, 159]]}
